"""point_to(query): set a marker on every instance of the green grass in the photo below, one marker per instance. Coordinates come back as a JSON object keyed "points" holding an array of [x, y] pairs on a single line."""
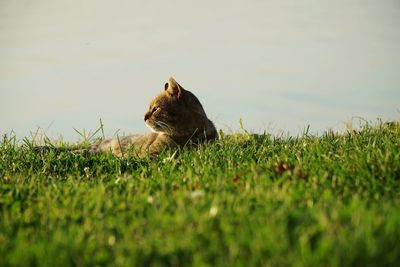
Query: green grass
{"points": [[244, 200]]}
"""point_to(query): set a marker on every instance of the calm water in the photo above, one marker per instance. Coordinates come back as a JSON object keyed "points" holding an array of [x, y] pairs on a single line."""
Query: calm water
{"points": [[279, 65]]}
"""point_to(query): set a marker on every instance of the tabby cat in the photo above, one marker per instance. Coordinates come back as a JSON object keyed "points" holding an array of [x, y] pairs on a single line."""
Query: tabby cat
{"points": [[175, 117]]}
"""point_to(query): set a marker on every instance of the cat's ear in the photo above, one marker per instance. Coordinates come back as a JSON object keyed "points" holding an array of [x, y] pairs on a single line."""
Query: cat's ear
{"points": [[173, 88]]}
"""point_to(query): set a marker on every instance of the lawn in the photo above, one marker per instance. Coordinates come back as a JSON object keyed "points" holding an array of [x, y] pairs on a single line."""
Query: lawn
{"points": [[243, 200]]}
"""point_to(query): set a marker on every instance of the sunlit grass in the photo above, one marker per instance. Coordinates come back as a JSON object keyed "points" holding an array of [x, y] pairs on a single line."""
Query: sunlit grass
{"points": [[244, 200]]}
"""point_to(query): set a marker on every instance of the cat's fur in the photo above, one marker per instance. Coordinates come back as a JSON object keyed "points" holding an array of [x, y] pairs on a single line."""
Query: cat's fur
{"points": [[176, 118]]}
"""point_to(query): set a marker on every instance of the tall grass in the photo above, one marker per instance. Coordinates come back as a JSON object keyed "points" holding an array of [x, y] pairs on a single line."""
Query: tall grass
{"points": [[244, 200]]}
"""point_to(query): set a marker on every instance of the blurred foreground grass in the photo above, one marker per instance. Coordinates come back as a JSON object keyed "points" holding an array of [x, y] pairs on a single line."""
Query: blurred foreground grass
{"points": [[244, 200]]}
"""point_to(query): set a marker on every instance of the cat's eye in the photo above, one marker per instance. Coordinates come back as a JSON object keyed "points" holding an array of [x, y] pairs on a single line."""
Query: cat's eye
{"points": [[155, 108]]}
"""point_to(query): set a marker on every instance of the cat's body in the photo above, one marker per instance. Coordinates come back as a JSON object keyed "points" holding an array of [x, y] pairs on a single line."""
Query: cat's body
{"points": [[176, 118]]}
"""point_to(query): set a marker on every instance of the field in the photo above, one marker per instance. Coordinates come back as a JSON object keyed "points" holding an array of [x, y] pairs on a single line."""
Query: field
{"points": [[244, 200]]}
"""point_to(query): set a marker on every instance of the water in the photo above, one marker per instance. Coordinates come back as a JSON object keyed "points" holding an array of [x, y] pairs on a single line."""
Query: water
{"points": [[278, 65]]}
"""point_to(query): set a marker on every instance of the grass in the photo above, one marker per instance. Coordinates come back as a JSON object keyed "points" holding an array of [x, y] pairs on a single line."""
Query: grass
{"points": [[244, 200]]}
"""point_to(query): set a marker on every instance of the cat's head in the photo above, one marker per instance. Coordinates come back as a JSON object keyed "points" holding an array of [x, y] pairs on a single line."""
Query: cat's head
{"points": [[175, 111]]}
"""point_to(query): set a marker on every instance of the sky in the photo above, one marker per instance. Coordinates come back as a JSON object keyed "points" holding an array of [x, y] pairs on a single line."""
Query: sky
{"points": [[278, 65]]}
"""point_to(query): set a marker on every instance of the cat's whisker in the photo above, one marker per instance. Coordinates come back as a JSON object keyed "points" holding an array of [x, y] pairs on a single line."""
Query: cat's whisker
{"points": [[164, 126], [170, 129]]}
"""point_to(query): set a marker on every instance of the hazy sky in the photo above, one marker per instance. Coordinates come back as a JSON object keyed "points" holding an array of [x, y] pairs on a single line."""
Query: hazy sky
{"points": [[279, 65]]}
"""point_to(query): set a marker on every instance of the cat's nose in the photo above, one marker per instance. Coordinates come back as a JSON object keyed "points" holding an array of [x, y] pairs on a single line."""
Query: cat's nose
{"points": [[147, 116]]}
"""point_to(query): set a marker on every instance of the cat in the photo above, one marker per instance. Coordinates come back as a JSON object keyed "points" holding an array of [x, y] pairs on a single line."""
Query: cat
{"points": [[176, 118]]}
